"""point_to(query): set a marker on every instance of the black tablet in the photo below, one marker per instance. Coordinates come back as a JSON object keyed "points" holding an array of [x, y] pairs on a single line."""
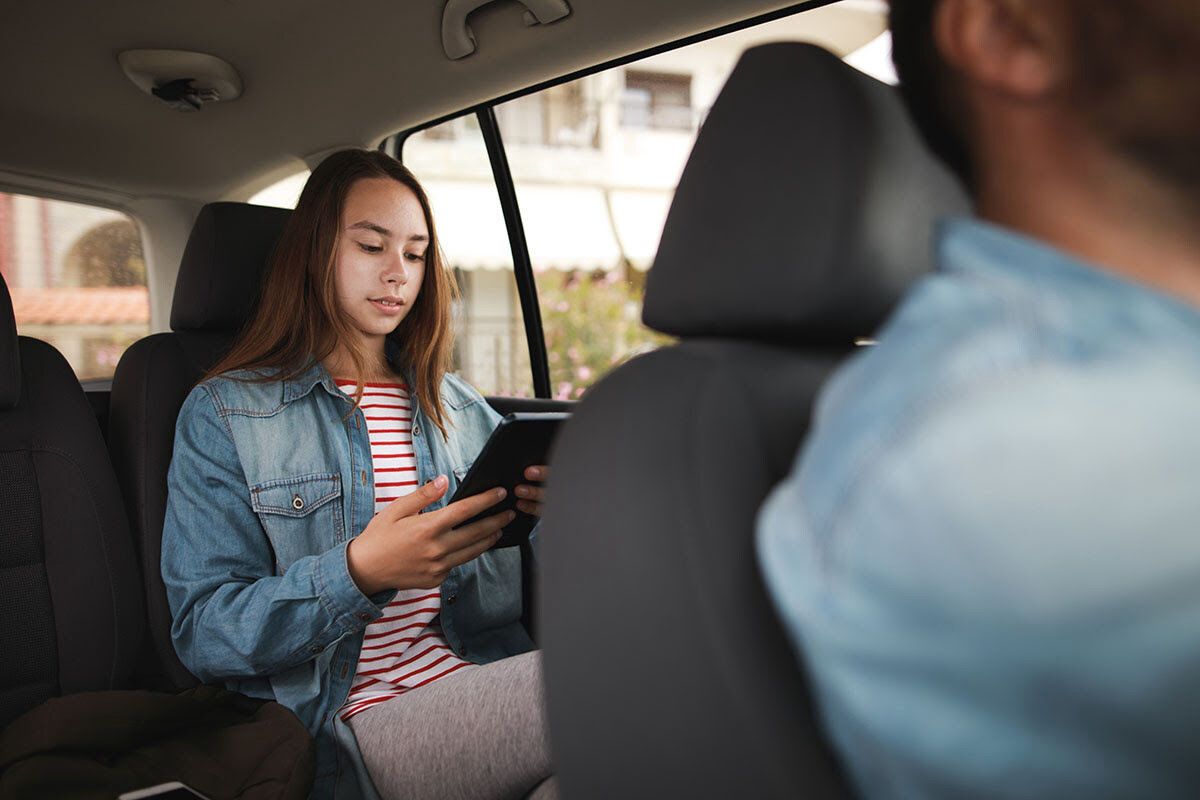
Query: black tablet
{"points": [[521, 440]]}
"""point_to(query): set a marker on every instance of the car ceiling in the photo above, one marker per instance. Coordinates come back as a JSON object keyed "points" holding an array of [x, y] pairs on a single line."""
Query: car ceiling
{"points": [[317, 76]]}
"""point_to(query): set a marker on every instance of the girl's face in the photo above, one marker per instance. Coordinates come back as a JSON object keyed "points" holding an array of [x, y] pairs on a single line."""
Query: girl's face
{"points": [[380, 259]]}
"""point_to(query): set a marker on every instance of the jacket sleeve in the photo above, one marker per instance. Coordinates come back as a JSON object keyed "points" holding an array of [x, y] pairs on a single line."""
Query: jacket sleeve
{"points": [[232, 616]]}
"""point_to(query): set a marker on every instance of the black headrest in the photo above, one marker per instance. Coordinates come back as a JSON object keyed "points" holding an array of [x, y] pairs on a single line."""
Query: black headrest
{"points": [[806, 208], [223, 265], [10, 353]]}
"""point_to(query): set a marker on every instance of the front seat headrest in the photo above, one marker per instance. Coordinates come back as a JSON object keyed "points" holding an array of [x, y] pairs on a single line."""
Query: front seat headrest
{"points": [[223, 266], [10, 352], [806, 209]]}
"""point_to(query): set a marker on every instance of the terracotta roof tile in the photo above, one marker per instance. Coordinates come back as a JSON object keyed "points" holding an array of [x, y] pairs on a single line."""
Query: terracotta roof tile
{"points": [[81, 306]]}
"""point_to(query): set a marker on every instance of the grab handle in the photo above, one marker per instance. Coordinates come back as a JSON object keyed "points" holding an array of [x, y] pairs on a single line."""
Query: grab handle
{"points": [[457, 39]]}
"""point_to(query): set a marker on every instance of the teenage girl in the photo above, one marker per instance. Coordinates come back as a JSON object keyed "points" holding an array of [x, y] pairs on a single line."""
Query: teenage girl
{"points": [[309, 553]]}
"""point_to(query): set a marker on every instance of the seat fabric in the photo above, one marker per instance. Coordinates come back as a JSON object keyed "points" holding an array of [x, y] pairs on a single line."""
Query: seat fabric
{"points": [[216, 289], [806, 208], [71, 616]]}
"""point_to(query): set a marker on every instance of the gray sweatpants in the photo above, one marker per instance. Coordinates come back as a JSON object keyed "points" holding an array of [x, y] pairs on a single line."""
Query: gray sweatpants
{"points": [[478, 734]]}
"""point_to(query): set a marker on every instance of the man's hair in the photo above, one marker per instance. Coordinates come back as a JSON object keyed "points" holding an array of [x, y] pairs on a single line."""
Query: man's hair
{"points": [[1133, 76], [925, 84]]}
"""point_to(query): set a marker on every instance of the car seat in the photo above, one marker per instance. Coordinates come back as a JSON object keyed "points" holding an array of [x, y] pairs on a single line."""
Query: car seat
{"points": [[70, 594], [218, 283], [805, 210]]}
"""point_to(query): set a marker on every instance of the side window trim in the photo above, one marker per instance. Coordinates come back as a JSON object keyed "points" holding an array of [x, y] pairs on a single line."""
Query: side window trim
{"points": [[522, 266]]}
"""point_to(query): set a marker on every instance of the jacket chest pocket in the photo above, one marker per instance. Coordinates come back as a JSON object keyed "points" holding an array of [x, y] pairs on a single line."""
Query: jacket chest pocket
{"points": [[302, 516]]}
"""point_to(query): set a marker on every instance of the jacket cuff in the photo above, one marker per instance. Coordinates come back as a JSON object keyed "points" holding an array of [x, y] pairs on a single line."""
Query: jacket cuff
{"points": [[348, 607]]}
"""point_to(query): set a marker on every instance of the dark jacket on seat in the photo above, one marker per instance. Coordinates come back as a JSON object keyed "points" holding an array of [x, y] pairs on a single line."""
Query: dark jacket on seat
{"points": [[100, 744]]}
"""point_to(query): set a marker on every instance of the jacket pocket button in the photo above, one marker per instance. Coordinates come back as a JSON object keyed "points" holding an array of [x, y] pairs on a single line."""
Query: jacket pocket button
{"points": [[316, 648], [416, 430], [364, 616], [450, 600], [297, 502]]}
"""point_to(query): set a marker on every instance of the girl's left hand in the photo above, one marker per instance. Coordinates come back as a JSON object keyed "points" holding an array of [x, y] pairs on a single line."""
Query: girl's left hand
{"points": [[531, 498]]}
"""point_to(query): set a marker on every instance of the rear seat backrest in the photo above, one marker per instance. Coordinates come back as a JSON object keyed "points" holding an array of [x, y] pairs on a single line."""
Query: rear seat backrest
{"points": [[219, 280], [70, 594]]}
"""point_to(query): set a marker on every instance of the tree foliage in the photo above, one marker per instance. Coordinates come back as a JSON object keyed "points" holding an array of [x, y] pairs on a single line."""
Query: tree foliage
{"points": [[592, 323]]}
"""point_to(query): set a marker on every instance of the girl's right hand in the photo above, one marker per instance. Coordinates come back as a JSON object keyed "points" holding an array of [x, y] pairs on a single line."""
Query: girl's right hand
{"points": [[404, 549]]}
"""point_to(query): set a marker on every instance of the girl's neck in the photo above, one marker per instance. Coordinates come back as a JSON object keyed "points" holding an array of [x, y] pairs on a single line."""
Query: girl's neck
{"points": [[376, 369]]}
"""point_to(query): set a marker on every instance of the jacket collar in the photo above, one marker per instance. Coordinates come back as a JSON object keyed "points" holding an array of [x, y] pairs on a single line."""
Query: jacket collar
{"points": [[316, 375], [300, 385]]}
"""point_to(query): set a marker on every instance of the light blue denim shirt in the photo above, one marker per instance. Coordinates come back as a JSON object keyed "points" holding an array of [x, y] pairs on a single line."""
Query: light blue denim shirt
{"points": [[989, 550], [268, 484]]}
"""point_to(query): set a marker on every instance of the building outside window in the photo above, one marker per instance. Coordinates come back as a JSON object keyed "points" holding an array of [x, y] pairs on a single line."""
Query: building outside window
{"points": [[77, 276], [657, 100]]}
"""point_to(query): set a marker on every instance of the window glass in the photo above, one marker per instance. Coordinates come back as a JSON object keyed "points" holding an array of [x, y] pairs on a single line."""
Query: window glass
{"points": [[284, 193], [656, 100], [451, 162], [77, 275], [594, 186]]}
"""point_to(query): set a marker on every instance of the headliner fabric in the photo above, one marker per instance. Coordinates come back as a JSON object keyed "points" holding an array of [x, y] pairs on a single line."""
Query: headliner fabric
{"points": [[10, 356], [223, 266], [794, 218]]}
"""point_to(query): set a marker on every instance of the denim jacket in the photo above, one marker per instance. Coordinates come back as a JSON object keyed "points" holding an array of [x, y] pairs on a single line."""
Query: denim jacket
{"points": [[268, 484]]}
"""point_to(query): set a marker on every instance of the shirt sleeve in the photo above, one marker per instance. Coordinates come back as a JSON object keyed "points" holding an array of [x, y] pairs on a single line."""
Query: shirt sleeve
{"points": [[1000, 601], [232, 616]]}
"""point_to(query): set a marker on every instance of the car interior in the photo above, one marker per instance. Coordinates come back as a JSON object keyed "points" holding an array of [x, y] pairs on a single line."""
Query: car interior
{"points": [[677, 249]]}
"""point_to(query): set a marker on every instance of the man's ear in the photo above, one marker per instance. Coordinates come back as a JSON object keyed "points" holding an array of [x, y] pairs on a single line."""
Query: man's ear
{"points": [[1011, 47]]}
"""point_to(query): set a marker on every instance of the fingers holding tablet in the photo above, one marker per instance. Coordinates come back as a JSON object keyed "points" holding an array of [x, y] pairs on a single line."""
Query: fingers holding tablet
{"points": [[531, 497]]}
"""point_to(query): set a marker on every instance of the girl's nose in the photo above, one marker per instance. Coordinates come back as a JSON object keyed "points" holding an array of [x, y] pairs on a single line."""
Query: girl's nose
{"points": [[397, 273]]}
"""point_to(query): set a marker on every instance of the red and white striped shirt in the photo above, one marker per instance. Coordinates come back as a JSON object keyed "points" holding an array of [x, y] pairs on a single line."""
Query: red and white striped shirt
{"points": [[405, 648]]}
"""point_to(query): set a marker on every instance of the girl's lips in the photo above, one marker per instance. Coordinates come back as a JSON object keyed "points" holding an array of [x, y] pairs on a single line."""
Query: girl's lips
{"points": [[393, 309]]}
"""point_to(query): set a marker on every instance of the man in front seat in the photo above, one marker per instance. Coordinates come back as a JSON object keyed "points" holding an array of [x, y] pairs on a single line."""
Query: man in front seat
{"points": [[989, 551]]}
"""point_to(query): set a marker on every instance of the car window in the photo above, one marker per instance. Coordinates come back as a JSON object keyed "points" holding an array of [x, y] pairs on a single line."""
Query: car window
{"points": [[77, 275], [451, 161], [596, 162]]}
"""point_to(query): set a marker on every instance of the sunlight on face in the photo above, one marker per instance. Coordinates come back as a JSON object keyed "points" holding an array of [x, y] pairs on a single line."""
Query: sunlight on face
{"points": [[381, 250]]}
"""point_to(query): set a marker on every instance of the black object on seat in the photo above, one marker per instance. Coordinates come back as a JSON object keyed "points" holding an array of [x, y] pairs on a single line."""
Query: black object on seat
{"points": [[805, 210], [70, 600], [218, 283]]}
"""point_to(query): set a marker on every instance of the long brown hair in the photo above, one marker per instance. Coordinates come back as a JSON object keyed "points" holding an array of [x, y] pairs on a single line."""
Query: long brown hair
{"points": [[297, 317]]}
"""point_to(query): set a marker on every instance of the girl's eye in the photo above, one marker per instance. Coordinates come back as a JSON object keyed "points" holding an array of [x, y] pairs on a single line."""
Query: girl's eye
{"points": [[415, 256], [370, 248]]}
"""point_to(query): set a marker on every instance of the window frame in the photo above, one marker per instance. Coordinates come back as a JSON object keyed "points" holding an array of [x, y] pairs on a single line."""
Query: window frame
{"points": [[485, 113], [103, 201]]}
